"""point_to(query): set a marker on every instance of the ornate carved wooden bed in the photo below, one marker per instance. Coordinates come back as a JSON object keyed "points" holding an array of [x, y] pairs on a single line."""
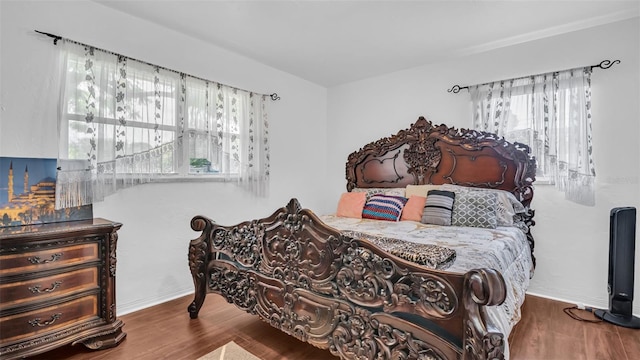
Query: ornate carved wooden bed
{"points": [[347, 295]]}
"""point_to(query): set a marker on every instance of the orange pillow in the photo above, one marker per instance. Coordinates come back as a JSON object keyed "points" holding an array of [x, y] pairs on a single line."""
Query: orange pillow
{"points": [[351, 204], [413, 208]]}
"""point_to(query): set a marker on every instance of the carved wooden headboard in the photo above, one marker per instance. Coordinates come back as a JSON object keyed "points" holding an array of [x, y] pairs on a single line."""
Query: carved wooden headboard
{"points": [[428, 154]]}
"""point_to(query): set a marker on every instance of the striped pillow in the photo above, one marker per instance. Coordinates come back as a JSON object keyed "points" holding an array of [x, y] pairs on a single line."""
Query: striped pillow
{"points": [[438, 207], [384, 207]]}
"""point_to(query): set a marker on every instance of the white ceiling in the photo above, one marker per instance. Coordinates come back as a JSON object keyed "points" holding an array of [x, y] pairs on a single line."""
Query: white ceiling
{"points": [[335, 42]]}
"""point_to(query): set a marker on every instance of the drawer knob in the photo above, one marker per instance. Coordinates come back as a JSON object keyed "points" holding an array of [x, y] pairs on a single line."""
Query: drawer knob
{"points": [[36, 322], [38, 260], [37, 288]]}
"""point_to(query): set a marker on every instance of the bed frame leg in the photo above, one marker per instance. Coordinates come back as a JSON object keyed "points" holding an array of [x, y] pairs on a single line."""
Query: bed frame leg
{"points": [[197, 259], [194, 307], [199, 256], [482, 287]]}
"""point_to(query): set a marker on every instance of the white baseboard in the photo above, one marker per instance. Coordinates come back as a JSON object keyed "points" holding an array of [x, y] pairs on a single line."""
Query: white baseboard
{"points": [[561, 299], [599, 306], [129, 307]]}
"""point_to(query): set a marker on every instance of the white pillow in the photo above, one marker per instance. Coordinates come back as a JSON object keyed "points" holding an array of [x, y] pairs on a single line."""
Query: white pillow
{"points": [[419, 190], [383, 191]]}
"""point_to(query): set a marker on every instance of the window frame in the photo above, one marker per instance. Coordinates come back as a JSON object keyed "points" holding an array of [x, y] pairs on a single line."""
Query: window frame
{"points": [[181, 139]]}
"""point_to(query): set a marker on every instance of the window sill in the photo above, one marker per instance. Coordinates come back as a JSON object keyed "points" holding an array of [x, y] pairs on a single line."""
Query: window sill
{"points": [[165, 179], [543, 182]]}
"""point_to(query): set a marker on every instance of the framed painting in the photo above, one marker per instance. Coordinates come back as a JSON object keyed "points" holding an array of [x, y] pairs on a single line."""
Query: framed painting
{"points": [[28, 193]]}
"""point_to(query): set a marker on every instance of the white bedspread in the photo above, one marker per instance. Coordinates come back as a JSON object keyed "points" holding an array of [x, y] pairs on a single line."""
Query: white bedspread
{"points": [[504, 249]]}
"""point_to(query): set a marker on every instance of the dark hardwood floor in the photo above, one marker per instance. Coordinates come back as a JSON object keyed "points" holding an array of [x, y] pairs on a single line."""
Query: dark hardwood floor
{"points": [[546, 332], [165, 331]]}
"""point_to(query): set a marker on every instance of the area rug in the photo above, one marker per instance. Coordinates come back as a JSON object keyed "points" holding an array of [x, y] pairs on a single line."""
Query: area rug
{"points": [[229, 351]]}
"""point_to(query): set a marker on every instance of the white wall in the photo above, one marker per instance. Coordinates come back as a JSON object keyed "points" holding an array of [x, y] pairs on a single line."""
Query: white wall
{"points": [[313, 131], [153, 243], [571, 240]]}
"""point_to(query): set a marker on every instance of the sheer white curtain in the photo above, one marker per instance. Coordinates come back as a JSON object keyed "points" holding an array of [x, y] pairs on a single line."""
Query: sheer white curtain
{"points": [[552, 114], [229, 127], [123, 122], [254, 170]]}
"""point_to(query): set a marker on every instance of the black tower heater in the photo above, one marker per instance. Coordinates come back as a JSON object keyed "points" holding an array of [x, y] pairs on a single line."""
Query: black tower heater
{"points": [[622, 238]]}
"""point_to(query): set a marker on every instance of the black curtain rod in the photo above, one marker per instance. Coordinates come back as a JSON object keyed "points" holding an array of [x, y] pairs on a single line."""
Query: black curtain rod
{"points": [[604, 64], [56, 38]]}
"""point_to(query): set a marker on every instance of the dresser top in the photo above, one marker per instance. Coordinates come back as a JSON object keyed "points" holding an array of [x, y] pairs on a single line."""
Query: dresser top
{"points": [[45, 230]]}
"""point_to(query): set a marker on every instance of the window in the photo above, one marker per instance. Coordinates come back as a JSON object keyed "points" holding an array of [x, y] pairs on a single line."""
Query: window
{"points": [[214, 144], [551, 113], [116, 110], [132, 122]]}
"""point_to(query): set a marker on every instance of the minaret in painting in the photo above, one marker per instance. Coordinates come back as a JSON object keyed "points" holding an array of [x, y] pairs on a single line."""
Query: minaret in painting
{"points": [[10, 185], [26, 179]]}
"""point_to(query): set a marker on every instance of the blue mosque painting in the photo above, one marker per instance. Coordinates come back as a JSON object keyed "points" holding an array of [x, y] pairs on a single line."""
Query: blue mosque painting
{"points": [[28, 193]]}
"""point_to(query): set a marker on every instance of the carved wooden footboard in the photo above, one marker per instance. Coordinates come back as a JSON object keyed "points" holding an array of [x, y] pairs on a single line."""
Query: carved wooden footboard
{"points": [[343, 294]]}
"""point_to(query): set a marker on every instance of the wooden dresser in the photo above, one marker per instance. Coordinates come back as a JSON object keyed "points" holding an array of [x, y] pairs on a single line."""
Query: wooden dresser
{"points": [[57, 287]]}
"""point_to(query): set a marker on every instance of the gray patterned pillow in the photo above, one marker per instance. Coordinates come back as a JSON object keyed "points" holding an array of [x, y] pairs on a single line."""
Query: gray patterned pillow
{"points": [[507, 204], [475, 209]]}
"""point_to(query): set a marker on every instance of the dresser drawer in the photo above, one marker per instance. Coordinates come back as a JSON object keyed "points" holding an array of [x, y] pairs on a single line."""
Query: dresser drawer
{"points": [[44, 288], [52, 258], [57, 287], [20, 326]]}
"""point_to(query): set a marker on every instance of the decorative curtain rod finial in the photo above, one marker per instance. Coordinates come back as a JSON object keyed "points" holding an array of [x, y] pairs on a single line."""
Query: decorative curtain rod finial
{"points": [[55, 37], [605, 64], [456, 88], [274, 97]]}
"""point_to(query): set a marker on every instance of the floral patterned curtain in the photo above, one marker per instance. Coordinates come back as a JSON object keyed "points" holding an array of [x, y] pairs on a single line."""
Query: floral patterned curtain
{"points": [[552, 114], [124, 122], [229, 127]]}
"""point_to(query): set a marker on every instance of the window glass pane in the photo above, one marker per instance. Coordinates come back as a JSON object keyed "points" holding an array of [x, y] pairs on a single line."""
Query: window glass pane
{"points": [[167, 165], [106, 142], [150, 102], [197, 106], [203, 145], [95, 86], [203, 153], [521, 128], [234, 166], [79, 145]]}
